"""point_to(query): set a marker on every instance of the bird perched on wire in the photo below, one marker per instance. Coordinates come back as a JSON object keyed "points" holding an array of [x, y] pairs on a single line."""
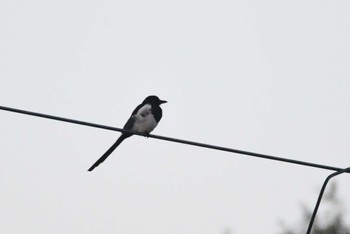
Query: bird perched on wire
{"points": [[143, 119]]}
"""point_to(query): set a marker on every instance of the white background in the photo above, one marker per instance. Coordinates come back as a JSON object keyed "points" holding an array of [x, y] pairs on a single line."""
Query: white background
{"points": [[264, 76]]}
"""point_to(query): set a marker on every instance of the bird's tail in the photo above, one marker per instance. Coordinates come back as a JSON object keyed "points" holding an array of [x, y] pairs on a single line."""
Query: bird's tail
{"points": [[109, 151]]}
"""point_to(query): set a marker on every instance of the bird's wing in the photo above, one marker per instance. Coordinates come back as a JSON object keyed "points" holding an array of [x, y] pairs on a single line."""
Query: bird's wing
{"points": [[130, 123], [142, 120], [141, 112], [144, 111]]}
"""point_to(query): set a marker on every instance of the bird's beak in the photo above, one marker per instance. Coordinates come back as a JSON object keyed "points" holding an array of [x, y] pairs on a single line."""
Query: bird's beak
{"points": [[162, 101]]}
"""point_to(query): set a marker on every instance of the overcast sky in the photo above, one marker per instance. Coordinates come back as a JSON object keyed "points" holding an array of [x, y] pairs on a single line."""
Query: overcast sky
{"points": [[264, 76]]}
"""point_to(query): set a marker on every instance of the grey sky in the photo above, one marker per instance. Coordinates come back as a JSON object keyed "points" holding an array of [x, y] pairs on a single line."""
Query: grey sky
{"points": [[265, 76]]}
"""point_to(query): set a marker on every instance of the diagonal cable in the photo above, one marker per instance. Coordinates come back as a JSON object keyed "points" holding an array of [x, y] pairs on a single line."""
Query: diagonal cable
{"points": [[181, 141]]}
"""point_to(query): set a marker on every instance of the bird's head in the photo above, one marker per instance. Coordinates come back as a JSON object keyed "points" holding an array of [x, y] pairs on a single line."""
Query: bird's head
{"points": [[153, 100]]}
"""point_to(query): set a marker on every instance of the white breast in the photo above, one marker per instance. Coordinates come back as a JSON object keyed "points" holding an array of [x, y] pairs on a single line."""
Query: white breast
{"points": [[144, 120]]}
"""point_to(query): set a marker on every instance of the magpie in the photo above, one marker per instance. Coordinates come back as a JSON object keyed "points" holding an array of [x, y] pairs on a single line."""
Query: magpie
{"points": [[143, 119]]}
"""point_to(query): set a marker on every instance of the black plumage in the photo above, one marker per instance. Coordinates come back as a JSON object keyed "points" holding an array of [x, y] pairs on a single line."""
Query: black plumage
{"points": [[143, 119]]}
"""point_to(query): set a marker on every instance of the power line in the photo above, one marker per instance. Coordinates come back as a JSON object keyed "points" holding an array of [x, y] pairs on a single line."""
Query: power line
{"points": [[253, 154], [181, 141]]}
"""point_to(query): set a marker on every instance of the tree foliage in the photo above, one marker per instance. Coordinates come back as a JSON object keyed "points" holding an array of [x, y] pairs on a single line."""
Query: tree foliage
{"points": [[329, 219]]}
